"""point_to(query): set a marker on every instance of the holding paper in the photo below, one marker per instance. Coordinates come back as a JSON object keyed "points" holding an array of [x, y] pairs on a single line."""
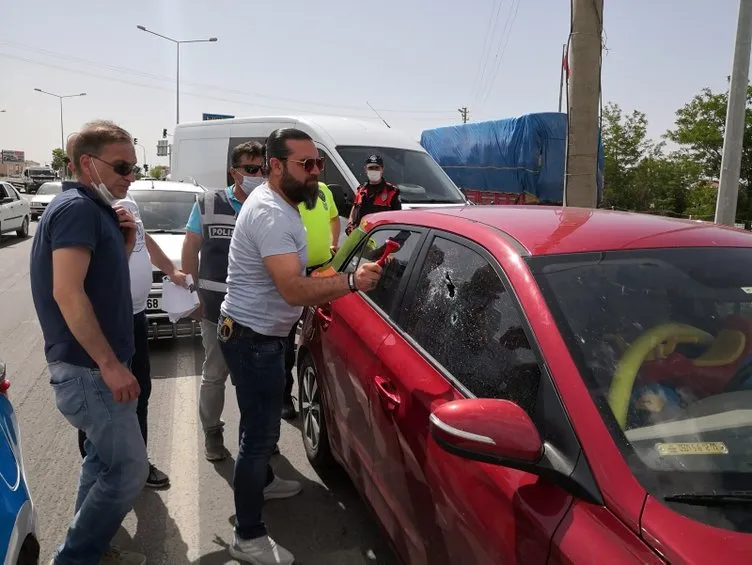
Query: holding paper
{"points": [[179, 301]]}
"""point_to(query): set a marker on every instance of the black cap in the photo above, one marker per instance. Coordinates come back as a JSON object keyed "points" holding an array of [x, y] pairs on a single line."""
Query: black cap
{"points": [[375, 160]]}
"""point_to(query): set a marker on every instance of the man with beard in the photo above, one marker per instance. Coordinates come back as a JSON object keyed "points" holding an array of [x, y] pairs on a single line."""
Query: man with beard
{"points": [[266, 290]]}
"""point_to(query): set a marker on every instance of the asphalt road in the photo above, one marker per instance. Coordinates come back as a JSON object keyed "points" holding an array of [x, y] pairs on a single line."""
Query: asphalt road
{"points": [[327, 524]]}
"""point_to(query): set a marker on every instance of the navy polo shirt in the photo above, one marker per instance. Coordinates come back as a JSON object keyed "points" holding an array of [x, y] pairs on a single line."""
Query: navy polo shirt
{"points": [[77, 218]]}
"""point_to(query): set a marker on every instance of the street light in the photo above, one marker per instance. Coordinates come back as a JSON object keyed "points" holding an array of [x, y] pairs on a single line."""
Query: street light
{"points": [[60, 97], [177, 44]]}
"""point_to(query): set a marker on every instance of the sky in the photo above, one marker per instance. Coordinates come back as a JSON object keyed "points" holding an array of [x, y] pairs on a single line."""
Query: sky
{"points": [[415, 61]]}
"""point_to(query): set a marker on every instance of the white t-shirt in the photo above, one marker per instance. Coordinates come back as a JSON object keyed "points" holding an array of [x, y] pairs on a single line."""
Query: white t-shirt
{"points": [[139, 263]]}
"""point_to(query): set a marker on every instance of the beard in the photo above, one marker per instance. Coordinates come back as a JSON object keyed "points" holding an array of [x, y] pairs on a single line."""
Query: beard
{"points": [[297, 191]]}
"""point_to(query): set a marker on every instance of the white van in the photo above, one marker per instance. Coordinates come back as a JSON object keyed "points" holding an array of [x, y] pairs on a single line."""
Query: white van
{"points": [[201, 152]]}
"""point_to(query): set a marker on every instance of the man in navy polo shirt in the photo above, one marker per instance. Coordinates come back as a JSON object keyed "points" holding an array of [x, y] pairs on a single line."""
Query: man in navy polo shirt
{"points": [[80, 283]]}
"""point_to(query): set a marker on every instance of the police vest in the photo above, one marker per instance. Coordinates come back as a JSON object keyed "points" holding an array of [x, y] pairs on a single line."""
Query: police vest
{"points": [[217, 224]]}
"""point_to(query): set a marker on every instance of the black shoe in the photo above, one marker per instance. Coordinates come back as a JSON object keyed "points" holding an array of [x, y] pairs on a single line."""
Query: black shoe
{"points": [[288, 410], [156, 478]]}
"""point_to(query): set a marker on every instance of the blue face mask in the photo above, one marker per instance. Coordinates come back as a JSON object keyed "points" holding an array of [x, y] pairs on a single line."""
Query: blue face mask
{"points": [[250, 184]]}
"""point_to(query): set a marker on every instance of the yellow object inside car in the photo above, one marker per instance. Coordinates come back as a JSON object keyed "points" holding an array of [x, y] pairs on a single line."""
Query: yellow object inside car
{"points": [[726, 348]]}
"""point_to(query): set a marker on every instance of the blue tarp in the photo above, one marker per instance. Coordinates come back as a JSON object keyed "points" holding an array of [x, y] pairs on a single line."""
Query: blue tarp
{"points": [[515, 155]]}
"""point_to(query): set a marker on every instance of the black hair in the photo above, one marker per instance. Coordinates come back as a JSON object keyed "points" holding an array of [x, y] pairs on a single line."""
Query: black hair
{"points": [[276, 143], [251, 149]]}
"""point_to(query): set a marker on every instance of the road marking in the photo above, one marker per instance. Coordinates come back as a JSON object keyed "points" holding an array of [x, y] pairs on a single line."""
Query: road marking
{"points": [[183, 497]]}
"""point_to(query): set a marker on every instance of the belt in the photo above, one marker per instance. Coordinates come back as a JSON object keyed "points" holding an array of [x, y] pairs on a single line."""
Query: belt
{"points": [[239, 329]]}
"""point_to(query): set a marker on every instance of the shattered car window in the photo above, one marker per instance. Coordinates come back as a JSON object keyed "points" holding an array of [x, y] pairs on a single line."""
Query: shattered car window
{"points": [[465, 319]]}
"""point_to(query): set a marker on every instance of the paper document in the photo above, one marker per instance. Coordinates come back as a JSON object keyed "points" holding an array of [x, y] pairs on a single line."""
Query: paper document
{"points": [[178, 301]]}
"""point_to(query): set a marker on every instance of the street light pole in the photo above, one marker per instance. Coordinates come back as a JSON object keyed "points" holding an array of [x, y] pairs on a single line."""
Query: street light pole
{"points": [[177, 43], [60, 98]]}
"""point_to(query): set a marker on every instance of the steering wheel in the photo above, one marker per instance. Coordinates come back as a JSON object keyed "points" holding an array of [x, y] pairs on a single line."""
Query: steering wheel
{"points": [[620, 392]]}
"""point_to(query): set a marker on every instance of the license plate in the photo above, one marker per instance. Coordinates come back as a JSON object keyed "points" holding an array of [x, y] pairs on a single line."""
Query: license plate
{"points": [[153, 304]]}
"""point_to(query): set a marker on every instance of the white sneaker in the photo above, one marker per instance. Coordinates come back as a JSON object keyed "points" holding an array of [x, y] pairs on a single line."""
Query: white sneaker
{"points": [[117, 556], [280, 488], [260, 551]]}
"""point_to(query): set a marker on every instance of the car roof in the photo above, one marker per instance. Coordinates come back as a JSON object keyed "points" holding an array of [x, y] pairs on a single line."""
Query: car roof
{"points": [[549, 230], [165, 185]]}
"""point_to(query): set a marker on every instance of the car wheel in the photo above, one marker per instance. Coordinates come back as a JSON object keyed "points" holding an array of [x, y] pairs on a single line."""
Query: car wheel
{"points": [[24, 231], [34, 217], [29, 554], [313, 422]]}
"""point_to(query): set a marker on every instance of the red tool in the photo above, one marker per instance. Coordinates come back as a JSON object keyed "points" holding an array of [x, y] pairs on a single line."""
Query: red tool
{"points": [[389, 247]]}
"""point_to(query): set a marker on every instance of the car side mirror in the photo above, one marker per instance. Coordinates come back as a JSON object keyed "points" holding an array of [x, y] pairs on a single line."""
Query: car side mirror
{"points": [[487, 430]]}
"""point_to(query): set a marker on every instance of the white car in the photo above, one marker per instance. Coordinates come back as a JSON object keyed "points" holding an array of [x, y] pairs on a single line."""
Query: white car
{"points": [[164, 207], [43, 197], [14, 211]]}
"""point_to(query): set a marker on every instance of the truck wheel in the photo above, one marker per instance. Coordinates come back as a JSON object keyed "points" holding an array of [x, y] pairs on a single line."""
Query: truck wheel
{"points": [[24, 231]]}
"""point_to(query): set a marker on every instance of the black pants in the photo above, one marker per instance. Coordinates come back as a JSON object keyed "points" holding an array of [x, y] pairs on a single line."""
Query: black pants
{"points": [[141, 369]]}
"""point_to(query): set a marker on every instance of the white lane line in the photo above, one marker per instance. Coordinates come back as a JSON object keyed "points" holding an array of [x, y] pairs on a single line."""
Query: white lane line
{"points": [[183, 496]]}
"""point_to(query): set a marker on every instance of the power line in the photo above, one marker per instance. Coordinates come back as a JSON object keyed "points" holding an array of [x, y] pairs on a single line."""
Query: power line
{"points": [[500, 52], [482, 60], [162, 78]]}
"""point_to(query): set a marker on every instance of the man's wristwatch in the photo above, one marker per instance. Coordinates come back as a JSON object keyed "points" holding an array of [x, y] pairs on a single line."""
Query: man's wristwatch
{"points": [[351, 282]]}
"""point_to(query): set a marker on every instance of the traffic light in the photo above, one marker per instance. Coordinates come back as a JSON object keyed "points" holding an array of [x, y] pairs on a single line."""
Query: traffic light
{"points": [[146, 168], [164, 132], [135, 141]]}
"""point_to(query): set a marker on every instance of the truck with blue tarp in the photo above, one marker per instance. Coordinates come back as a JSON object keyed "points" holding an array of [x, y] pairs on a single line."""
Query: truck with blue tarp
{"points": [[511, 161]]}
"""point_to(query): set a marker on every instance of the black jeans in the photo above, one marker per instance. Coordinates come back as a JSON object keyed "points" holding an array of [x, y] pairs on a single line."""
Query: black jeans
{"points": [[257, 369], [141, 369]]}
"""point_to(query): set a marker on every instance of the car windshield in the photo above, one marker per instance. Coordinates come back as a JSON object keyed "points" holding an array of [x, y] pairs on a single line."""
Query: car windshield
{"points": [[50, 188], [418, 176], [42, 172], [164, 210], [663, 340]]}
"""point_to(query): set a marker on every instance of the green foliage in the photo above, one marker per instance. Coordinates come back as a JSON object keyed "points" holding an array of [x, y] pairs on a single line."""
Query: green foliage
{"points": [[59, 160]]}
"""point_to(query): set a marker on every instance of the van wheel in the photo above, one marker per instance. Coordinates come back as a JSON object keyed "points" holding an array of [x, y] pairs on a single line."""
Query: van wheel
{"points": [[313, 422], [24, 231]]}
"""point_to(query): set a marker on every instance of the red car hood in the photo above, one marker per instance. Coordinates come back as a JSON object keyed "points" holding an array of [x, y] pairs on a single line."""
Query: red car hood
{"points": [[681, 540]]}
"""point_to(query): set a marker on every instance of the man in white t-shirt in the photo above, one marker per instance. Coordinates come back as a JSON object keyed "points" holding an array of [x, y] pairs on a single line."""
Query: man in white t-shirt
{"points": [[146, 253]]}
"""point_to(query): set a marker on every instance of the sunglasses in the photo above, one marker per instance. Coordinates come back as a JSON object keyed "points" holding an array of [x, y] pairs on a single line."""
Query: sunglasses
{"points": [[309, 164], [123, 168], [250, 169]]}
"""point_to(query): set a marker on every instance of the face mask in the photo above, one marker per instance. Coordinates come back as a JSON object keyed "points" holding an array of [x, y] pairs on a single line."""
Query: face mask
{"points": [[251, 183], [374, 176], [102, 190]]}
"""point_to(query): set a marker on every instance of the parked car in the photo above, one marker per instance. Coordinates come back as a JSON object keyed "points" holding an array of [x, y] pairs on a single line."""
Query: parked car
{"points": [[43, 197], [18, 520], [542, 386], [14, 211], [165, 207]]}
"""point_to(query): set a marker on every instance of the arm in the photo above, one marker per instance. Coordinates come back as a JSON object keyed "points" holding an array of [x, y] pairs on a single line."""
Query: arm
{"points": [[158, 257], [336, 228], [190, 253], [298, 290], [69, 267]]}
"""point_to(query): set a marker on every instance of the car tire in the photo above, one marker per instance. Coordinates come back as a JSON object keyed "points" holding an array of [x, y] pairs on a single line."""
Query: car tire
{"points": [[29, 554], [311, 408], [24, 231], [34, 217]]}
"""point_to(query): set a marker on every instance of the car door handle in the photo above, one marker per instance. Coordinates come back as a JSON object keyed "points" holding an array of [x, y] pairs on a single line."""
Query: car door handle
{"points": [[390, 399], [324, 315]]}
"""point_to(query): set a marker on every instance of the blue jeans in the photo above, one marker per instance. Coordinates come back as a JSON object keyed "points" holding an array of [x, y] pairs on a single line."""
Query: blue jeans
{"points": [[115, 468], [257, 369]]}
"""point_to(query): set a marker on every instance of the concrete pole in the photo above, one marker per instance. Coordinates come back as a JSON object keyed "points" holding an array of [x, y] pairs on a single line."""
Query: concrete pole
{"points": [[581, 176], [733, 140]]}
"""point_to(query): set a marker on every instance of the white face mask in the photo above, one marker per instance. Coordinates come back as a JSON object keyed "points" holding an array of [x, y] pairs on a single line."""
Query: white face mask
{"points": [[251, 183], [102, 190], [374, 176]]}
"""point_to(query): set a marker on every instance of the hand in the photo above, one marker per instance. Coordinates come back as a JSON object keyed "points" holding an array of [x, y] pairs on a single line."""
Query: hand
{"points": [[367, 276], [333, 249], [127, 225], [179, 278], [121, 382]]}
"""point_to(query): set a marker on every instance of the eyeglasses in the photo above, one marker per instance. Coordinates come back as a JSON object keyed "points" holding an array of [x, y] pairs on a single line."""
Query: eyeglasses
{"points": [[123, 168], [250, 169], [308, 164]]}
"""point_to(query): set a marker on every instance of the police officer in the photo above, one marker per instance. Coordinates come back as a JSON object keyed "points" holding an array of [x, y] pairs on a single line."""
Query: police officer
{"points": [[376, 195], [209, 231]]}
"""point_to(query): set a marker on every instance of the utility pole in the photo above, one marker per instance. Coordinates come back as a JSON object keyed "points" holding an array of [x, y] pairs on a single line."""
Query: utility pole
{"points": [[464, 112], [581, 177], [733, 139]]}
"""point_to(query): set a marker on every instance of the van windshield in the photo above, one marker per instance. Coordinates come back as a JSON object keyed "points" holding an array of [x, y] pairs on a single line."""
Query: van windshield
{"points": [[419, 177]]}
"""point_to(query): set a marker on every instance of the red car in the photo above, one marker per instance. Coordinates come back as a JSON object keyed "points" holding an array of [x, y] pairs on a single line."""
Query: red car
{"points": [[533, 385]]}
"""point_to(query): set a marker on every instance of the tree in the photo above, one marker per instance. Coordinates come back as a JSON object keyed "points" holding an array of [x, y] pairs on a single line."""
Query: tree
{"points": [[59, 160], [158, 171], [700, 126], [137, 172]]}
